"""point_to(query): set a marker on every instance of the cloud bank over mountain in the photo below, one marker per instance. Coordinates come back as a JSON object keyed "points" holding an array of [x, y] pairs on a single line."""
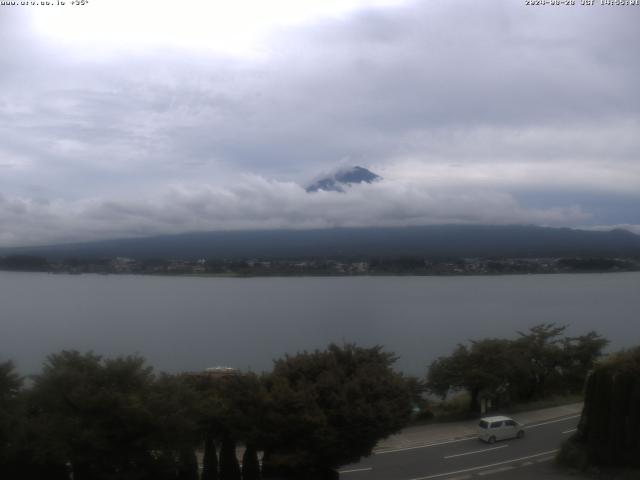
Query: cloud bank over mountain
{"points": [[257, 203]]}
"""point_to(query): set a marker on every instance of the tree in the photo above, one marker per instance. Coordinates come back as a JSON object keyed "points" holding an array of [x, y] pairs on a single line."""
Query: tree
{"points": [[231, 407], [580, 356], [540, 357], [328, 408], [447, 373], [483, 368], [99, 411], [188, 465], [112, 418], [250, 464], [10, 417], [535, 364], [607, 434], [175, 406], [210, 459], [10, 385], [229, 467]]}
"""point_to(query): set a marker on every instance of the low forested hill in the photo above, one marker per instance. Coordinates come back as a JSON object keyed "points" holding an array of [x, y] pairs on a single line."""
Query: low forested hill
{"points": [[426, 241]]}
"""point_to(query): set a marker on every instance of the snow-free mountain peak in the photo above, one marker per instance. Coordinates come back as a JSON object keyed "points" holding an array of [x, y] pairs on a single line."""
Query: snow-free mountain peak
{"points": [[342, 178]]}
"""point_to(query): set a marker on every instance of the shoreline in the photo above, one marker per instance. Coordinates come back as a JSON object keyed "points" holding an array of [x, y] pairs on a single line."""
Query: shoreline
{"points": [[320, 275]]}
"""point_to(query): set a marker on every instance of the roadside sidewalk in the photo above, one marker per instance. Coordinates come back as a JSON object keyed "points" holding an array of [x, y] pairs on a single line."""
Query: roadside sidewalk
{"points": [[414, 437]]}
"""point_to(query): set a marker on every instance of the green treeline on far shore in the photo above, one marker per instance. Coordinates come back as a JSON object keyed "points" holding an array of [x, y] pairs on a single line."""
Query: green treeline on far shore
{"points": [[342, 266], [88, 417]]}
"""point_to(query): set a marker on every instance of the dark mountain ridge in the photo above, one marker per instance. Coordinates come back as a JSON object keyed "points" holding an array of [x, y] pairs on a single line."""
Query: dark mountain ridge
{"points": [[343, 178], [423, 241]]}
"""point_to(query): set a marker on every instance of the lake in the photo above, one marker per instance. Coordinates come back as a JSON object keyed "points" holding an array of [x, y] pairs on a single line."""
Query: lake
{"points": [[189, 323]]}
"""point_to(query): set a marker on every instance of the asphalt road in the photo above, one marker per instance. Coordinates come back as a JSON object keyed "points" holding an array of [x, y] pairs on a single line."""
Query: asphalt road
{"points": [[467, 459]]}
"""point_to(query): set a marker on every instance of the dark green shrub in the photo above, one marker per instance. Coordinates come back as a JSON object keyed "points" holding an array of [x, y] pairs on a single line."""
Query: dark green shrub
{"points": [[573, 454], [608, 429]]}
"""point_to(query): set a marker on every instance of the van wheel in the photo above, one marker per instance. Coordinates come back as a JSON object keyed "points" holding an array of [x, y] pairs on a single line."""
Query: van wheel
{"points": [[520, 433], [492, 440]]}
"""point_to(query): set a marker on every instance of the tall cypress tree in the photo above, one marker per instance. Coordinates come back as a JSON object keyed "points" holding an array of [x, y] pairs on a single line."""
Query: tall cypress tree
{"points": [[250, 464], [210, 460], [608, 429], [188, 469], [229, 467], [267, 467]]}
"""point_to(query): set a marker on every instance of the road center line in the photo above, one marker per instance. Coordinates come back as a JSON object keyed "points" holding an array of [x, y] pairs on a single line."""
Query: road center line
{"points": [[545, 459], [437, 475], [476, 451], [552, 421], [356, 470], [496, 470], [474, 437]]}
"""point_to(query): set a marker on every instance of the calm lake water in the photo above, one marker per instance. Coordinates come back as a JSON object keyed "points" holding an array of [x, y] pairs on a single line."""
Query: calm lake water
{"points": [[183, 323]]}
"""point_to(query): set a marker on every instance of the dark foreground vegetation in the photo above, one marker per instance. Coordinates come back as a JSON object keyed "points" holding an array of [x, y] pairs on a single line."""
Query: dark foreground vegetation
{"points": [[499, 372], [608, 434], [85, 417]]}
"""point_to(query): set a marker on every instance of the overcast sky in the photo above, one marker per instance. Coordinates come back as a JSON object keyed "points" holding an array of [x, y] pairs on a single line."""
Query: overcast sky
{"points": [[122, 118]]}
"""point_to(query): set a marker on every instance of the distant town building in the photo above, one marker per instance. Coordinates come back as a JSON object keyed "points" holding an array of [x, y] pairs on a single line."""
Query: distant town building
{"points": [[216, 372], [221, 371]]}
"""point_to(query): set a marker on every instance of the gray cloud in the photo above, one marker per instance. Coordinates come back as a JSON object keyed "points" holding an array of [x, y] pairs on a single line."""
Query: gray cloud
{"points": [[463, 107], [257, 203]]}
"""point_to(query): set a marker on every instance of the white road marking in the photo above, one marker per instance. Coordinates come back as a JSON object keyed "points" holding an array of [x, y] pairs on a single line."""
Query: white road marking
{"points": [[545, 459], [526, 464], [437, 475], [552, 421], [569, 431], [426, 445], [356, 470], [476, 451], [495, 470]]}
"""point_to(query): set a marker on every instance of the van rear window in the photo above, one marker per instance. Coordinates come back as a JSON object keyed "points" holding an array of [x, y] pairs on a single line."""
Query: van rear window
{"points": [[483, 424]]}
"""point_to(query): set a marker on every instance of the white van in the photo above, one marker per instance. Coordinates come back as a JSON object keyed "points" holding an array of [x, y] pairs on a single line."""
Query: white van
{"points": [[491, 429]]}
